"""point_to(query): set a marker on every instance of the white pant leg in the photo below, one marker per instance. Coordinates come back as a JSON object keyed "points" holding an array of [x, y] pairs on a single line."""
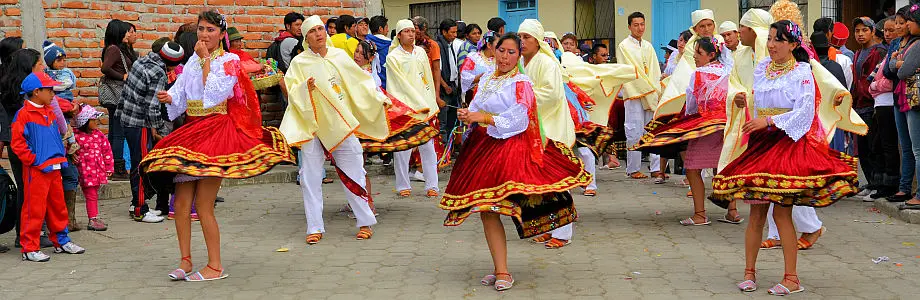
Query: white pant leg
{"points": [[401, 166], [805, 219], [565, 232], [590, 165], [654, 159], [429, 159], [635, 127], [772, 233], [311, 171], [348, 158]]}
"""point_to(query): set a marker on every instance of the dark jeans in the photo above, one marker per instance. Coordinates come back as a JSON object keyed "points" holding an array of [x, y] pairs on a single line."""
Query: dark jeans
{"points": [[448, 115], [16, 165], [884, 145], [865, 153], [140, 140], [908, 164], [116, 137]]}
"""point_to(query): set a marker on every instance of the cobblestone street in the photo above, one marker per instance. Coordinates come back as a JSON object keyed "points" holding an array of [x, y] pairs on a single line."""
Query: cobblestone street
{"points": [[628, 245]]}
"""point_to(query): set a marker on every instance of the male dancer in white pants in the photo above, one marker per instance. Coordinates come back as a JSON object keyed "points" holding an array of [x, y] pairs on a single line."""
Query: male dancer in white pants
{"points": [[409, 79], [641, 96], [806, 221], [331, 99]]}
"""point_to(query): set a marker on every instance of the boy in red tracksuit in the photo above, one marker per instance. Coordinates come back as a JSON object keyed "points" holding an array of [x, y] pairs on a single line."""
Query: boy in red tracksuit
{"points": [[37, 142]]}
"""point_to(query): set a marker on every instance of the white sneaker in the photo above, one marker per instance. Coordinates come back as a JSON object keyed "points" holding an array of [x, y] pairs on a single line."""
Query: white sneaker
{"points": [[150, 217], [864, 193], [418, 176], [156, 212], [131, 209], [70, 248], [36, 256]]}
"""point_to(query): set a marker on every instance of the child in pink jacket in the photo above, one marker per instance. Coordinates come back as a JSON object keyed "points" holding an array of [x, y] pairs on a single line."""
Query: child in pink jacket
{"points": [[94, 160]]}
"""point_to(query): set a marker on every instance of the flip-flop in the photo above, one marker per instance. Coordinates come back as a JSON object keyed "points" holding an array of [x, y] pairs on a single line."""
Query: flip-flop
{"points": [[781, 290], [503, 285], [314, 238], [179, 273], [197, 277], [488, 280], [770, 244], [738, 219], [542, 239], [557, 243]]}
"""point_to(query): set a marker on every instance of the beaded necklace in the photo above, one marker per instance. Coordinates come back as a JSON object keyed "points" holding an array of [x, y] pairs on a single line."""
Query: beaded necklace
{"points": [[775, 70], [495, 82], [214, 55]]}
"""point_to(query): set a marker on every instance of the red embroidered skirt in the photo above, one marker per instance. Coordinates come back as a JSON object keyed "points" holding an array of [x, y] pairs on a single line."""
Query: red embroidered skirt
{"points": [[669, 139], [617, 123], [777, 169], [213, 146], [496, 175], [599, 139], [406, 132]]}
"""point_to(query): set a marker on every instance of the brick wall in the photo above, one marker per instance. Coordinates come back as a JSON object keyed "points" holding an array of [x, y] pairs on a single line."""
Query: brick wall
{"points": [[10, 19], [79, 26]]}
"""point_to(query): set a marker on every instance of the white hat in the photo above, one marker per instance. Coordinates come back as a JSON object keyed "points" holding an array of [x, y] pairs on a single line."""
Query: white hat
{"points": [[727, 26], [702, 14]]}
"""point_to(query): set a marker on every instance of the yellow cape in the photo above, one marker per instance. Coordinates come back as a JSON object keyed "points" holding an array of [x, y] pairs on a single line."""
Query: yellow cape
{"points": [[409, 79], [601, 82], [646, 62], [675, 92], [831, 117], [335, 108], [552, 107]]}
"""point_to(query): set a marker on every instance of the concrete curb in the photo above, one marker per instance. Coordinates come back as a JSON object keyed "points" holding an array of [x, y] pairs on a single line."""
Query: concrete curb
{"points": [[891, 209]]}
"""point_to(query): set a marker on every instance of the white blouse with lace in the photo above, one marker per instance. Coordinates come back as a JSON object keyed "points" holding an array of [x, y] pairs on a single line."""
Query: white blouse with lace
{"points": [[188, 85], [500, 99], [794, 90], [480, 65]]}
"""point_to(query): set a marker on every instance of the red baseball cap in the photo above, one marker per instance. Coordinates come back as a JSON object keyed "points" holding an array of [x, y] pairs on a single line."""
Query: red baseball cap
{"points": [[37, 80], [841, 34]]}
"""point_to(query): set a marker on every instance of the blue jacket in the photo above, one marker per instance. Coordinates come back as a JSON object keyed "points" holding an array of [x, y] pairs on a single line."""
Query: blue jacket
{"points": [[36, 139], [383, 48]]}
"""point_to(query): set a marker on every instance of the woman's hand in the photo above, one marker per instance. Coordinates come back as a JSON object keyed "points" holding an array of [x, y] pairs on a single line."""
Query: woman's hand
{"points": [[125, 78], [311, 83], [476, 80], [164, 97], [470, 117], [441, 103], [755, 125], [740, 100], [202, 50]]}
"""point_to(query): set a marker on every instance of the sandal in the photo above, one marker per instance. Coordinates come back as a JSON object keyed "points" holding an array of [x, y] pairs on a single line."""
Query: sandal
{"points": [[736, 220], [404, 193], [770, 244], [432, 193], [314, 238], [364, 234], [327, 180], [503, 285], [590, 193], [781, 290], [689, 194], [179, 273], [637, 175], [613, 164], [748, 285], [804, 244], [690, 222], [660, 177], [555, 243], [543, 238], [198, 277], [488, 280]]}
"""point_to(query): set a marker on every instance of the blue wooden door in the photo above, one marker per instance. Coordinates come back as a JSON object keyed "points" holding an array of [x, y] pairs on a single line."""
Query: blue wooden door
{"points": [[516, 11], [669, 18]]}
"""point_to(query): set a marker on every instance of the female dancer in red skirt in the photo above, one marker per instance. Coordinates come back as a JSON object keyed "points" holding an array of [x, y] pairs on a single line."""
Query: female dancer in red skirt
{"points": [[787, 160], [697, 134], [505, 168], [222, 138]]}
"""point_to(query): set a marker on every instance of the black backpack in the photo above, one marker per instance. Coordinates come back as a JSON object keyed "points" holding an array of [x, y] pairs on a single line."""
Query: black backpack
{"points": [[9, 214], [274, 52]]}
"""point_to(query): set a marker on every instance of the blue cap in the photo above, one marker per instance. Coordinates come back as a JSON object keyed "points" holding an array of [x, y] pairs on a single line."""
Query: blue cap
{"points": [[36, 81], [52, 52]]}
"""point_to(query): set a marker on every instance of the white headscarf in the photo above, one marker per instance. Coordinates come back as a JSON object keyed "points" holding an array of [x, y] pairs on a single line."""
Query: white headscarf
{"points": [[758, 20], [311, 23], [400, 26], [535, 29], [727, 26], [702, 14]]}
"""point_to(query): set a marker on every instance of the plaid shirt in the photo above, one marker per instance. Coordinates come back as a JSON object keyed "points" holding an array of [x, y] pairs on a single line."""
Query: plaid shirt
{"points": [[139, 107]]}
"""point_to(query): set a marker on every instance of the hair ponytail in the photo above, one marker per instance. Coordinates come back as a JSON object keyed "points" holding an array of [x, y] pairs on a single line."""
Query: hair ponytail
{"points": [[800, 54]]}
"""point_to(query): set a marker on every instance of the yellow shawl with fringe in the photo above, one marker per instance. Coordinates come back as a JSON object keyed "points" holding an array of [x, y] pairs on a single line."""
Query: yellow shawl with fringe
{"points": [[409, 79], [601, 82], [648, 87], [345, 100]]}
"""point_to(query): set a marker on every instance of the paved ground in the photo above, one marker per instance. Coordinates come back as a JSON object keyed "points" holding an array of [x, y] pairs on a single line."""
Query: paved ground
{"points": [[628, 245]]}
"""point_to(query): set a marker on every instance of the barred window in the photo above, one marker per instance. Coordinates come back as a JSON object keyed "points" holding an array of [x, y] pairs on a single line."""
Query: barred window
{"points": [[744, 5]]}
